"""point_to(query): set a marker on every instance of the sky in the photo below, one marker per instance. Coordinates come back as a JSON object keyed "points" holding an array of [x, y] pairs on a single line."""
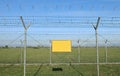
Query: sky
{"points": [[85, 8], [60, 7]]}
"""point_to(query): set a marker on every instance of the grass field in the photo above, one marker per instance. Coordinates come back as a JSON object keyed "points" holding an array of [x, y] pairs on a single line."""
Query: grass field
{"points": [[42, 55]]}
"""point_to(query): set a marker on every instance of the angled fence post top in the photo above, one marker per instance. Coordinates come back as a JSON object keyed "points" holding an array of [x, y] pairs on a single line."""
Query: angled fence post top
{"points": [[98, 21], [25, 27]]}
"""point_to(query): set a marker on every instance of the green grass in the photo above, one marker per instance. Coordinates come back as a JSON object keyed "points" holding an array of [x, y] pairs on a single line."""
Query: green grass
{"points": [[68, 70], [42, 55]]}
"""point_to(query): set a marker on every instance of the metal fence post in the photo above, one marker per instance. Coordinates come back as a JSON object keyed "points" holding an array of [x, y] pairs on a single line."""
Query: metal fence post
{"points": [[97, 52], [21, 52], [106, 51], [79, 51], [25, 43], [50, 53]]}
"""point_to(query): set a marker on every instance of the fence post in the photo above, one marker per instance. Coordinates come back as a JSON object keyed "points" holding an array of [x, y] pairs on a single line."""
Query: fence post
{"points": [[97, 52], [50, 53], [25, 43], [21, 53], [79, 51], [106, 50]]}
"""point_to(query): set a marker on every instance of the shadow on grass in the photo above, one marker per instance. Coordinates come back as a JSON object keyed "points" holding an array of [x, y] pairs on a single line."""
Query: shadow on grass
{"points": [[76, 70], [35, 74]]}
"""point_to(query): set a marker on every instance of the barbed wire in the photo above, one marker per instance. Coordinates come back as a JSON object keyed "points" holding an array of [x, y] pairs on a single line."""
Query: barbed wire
{"points": [[15, 20], [8, 22]]}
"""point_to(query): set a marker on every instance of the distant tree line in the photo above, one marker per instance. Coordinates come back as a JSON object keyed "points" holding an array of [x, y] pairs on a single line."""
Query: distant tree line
{"points": [[6, 46]]}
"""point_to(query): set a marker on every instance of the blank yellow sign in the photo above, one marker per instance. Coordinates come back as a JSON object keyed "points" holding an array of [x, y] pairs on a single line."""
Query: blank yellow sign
{"points": [[61, 46]]}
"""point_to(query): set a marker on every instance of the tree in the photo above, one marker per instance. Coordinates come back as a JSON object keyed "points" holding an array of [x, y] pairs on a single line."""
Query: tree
{"points": [[6, 46]]}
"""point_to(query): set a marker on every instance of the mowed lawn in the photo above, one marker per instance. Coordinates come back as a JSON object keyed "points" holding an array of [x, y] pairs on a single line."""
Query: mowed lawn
{"points": [[42, 55]]}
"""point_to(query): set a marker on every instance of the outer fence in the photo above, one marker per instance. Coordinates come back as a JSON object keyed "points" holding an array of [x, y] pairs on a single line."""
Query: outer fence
{"points": [[28, 39]]}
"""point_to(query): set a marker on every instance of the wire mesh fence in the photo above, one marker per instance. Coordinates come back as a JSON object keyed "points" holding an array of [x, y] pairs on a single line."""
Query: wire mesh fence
{"points": [[44, 29]]}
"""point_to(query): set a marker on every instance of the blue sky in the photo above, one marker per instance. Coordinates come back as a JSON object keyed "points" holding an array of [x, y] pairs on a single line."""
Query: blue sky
{"points": [[60, 7], [89, 8]]}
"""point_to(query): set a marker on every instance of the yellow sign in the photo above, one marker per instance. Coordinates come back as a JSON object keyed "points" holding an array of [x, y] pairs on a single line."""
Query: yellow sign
{"points": [[61, 46]]}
